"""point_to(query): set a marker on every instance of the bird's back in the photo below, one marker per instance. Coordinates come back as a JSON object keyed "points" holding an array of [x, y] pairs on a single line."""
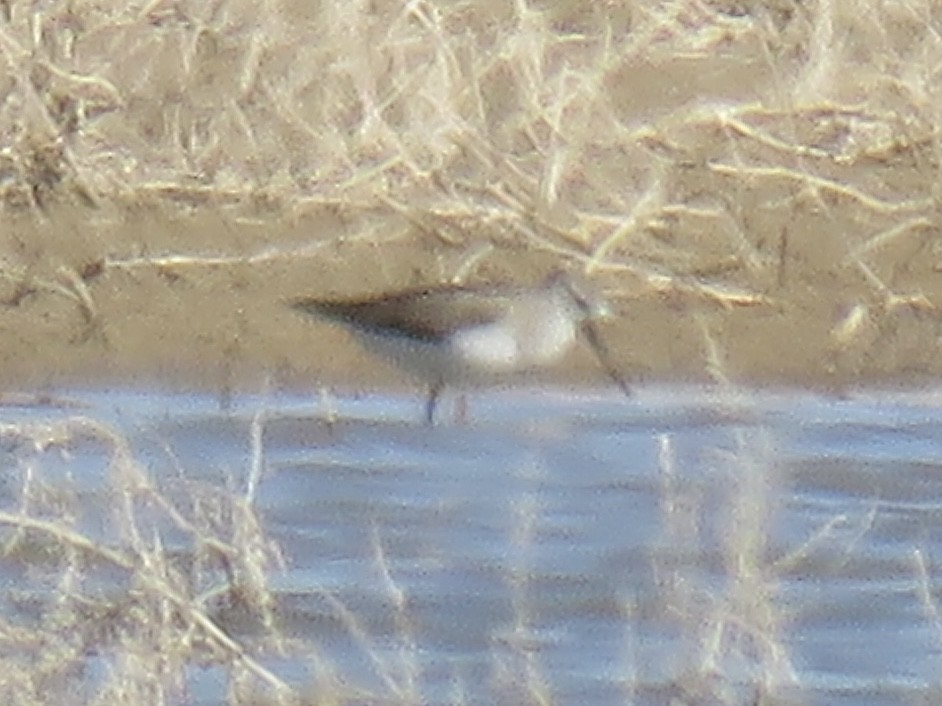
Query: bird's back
{"points": [[429, 314]]}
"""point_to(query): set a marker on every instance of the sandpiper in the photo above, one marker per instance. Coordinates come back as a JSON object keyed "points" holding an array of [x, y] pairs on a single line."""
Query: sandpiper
{"points": [[454, 334]]}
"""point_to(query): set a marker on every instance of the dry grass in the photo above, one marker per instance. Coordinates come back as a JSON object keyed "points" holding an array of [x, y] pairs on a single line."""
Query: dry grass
{"points": [[125, 591], [778, 156], [737, 648], [102, 583], [584, 129], [120, 588], [122, 596], [726, 153]]}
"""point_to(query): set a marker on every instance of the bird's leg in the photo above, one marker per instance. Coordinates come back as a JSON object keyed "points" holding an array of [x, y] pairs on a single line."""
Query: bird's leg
{"points": [[461, 409], [434, 393]]}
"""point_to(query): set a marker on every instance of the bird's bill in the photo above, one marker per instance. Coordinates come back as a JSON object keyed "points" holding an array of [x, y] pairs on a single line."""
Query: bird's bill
{"points": [[604, 356]]}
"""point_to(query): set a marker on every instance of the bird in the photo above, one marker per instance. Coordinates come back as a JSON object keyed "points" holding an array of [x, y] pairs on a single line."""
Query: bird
{"points": [[453, 334]]}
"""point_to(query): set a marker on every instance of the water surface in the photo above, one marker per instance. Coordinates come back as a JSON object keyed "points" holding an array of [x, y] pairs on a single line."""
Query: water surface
{"points": [[607, 551]]}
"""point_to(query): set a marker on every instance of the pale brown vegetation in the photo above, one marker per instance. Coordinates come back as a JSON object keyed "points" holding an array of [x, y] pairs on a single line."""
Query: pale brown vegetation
{"points": [[771, 167]]}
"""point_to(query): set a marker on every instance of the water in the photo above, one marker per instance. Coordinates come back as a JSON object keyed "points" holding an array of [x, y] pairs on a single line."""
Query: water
{"points": [[606, 551]]}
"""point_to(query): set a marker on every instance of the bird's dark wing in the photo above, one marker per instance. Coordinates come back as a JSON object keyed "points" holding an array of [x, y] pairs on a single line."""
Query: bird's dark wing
{"points": [[423, 314]]}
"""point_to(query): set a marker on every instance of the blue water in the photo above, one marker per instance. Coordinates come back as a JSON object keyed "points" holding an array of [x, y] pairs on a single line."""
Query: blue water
{"points": [[683, 543]]}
